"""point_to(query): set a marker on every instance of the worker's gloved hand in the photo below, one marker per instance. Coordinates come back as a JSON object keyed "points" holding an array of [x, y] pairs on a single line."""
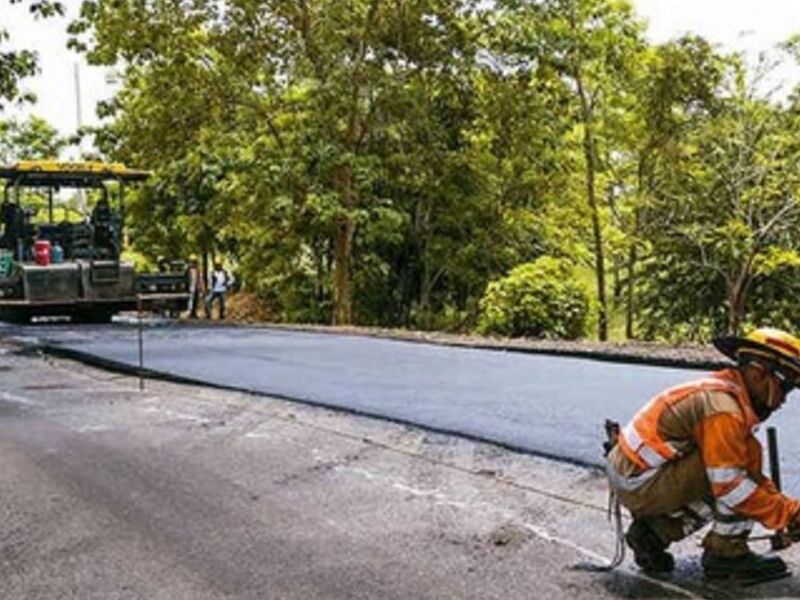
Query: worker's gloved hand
{"points": [[793, 529]]}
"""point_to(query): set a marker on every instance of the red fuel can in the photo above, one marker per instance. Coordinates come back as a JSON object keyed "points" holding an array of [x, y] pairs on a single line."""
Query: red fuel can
{"points": [[41, 252]]}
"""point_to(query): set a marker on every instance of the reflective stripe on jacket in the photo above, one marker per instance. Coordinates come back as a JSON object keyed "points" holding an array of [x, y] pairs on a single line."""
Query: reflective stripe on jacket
{"points": [[641, 439], [713, 415]]}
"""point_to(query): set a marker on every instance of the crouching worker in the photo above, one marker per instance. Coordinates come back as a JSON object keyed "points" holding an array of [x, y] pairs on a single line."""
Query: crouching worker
{"points": [[690, 457]]}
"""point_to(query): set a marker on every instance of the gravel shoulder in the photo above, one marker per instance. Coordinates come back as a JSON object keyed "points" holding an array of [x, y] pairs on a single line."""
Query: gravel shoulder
{"points": [[180, 492]]}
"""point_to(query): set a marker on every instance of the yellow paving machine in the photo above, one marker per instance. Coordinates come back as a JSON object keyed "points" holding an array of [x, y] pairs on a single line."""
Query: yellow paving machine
{"points": [[72, 267]]}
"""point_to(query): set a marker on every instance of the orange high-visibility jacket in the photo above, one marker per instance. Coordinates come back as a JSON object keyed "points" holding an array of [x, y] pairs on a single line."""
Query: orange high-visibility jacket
{"points": [[715, 416]]}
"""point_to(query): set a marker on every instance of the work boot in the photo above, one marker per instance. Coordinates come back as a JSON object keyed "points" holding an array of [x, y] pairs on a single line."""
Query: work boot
{"points": [[649, 550], [730, 558]]}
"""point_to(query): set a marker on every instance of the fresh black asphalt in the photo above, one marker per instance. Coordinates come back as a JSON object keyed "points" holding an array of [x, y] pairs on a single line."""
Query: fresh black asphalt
{"points": [[548, 405]]}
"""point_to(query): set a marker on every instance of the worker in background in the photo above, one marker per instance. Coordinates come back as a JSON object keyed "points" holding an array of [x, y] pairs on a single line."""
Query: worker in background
{"points": [[218, 285], [690, 457], [13, 221], [106, 238], [196, 285]]}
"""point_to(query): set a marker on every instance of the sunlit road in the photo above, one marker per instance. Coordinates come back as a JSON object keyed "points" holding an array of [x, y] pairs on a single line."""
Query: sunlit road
{"points": [[548, 405]]}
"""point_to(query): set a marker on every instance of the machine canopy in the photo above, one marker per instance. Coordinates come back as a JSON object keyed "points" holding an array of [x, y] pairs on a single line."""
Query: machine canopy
{"points": [[51, 173]]}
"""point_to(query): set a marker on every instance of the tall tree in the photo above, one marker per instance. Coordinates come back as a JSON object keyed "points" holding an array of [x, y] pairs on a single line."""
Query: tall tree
{"points": [[676, 86], [592, 45], [316, 90], [728, 221]]}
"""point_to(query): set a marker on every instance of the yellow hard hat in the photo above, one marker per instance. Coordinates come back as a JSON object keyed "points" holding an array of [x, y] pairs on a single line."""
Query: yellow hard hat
{"points": [[193, 258], [766, 344]]}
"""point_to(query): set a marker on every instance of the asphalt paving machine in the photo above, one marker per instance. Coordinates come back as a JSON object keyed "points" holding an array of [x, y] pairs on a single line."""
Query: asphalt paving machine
{"points": [[73, 268]]}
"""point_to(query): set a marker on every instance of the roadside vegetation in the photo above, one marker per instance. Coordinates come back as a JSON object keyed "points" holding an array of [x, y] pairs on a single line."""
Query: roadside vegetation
{"points": [[513, 167]]}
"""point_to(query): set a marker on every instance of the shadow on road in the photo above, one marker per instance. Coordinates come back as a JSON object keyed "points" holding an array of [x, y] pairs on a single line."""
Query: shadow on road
{"points": [[687, 581]]}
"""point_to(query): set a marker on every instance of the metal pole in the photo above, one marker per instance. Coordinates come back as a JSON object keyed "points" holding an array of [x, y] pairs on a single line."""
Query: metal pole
{"points": [[141, 343], [122, 204], [774, 460], [78, 108], [779, 540], [81, 195], [20, 249]]}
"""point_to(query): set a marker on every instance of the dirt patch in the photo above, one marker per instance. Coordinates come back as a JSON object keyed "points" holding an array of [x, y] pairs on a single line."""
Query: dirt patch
{"points": [[508, 536], [246, 307]]}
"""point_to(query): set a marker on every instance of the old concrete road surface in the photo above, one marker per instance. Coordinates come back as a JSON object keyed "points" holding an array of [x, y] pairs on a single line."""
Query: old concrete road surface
{"points": [[552, 406], [191, 493]]}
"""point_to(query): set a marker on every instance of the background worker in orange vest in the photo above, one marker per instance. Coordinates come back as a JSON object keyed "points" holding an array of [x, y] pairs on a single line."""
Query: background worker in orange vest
{"points": [[690, 456]]}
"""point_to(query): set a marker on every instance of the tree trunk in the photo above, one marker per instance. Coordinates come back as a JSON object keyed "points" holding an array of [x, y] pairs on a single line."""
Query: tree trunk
{"points": [[599, 258], [737, 298], [735, 311], [630, 308], [425, 317], [633, 260], [344, 231], [319, 248], [739, 291], [424, 208], [590, 157], [342, 284]]}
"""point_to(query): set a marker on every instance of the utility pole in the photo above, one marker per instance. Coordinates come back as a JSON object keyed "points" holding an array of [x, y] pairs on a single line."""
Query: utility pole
{"points": [[78, 109], [81, 198]]}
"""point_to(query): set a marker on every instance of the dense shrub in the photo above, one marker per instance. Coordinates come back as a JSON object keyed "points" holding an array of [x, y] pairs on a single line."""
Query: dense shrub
{"points": [[537, 299]]}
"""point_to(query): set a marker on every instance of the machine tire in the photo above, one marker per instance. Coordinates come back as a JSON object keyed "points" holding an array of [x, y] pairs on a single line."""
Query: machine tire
{"points": [[93, 315], [17, 316]]}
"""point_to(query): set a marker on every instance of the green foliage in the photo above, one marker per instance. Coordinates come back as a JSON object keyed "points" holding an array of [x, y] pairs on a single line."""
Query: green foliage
{"points": [[537, 299], [384, 162], [17, 64], [726, 221], [29, 140]]}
